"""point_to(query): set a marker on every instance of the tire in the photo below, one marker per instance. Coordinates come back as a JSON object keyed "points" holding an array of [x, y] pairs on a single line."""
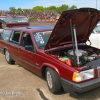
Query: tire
{"points": [[8, 58], [53, 81]]}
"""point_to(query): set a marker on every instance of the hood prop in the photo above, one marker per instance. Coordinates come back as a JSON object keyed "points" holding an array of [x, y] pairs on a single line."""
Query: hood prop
{"points": [[73, 42], [76, 47]]}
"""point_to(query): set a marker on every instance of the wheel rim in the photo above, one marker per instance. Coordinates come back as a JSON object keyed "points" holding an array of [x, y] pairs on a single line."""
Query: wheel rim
{"points": [[49, 79], [7, 55]]}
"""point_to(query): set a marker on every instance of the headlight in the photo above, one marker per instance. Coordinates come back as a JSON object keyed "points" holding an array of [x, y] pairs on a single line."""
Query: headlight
{"points": [[84, 75]]}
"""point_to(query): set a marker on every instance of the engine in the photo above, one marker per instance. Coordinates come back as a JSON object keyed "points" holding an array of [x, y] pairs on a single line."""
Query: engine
{"points": [[86, 57]]}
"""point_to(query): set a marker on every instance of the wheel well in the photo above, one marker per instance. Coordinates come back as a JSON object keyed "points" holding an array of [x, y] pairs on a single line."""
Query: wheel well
{"points": [[43, 72], [4, 51]]}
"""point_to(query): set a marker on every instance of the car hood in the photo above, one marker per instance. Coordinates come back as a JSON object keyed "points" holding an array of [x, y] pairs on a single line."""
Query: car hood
{"points": [[83, 20]]}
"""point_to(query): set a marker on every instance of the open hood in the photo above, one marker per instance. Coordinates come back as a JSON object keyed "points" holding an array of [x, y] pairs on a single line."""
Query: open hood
{"points": [[83, 20]]}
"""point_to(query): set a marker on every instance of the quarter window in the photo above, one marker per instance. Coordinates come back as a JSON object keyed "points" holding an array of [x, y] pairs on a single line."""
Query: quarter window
{"points": [[5, 35]]}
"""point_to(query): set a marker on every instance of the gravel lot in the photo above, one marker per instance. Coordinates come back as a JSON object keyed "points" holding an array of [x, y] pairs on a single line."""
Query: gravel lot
{"points": [[17, 83]]}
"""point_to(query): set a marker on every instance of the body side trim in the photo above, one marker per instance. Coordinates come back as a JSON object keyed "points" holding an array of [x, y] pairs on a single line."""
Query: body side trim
{"points": [[25, 62]]}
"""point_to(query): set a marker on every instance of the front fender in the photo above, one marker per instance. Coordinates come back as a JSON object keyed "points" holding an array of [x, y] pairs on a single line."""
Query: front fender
{"points": [[5, 49], [52, 66]]}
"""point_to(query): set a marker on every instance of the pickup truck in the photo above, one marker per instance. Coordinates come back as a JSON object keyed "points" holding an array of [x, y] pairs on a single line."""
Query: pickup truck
{"points": [[58, 54]]}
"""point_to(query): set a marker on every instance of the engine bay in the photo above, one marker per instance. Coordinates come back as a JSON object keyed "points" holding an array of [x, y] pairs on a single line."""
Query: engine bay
{"points": [[88, 57]]}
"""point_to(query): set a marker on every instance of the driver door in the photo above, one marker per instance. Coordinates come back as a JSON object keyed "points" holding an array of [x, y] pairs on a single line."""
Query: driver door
{"points": [[27, 57]]}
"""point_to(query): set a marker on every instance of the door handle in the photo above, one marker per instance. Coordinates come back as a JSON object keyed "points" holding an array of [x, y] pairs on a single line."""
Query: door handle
{"points": [[19, 49]]}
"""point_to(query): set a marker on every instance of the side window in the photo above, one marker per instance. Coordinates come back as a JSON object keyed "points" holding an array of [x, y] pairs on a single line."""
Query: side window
{"points": [[15, 37], [26, 39], [26, 42], [5, 35]]}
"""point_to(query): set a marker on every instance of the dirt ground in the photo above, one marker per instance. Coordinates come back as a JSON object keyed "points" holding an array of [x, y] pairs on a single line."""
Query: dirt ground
{"points": [[42, 23], [17, 83]]}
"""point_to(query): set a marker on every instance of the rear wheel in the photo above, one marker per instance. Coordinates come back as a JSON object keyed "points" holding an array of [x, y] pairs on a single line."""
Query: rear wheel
{"points": [[8, 58], [53, 81]]}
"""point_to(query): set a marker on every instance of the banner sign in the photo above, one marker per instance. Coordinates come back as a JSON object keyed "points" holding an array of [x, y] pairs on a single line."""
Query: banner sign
{"points": [[43, 20]]}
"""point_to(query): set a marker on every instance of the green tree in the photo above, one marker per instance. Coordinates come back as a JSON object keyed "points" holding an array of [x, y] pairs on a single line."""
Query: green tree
{"points": [[58, 10], [62, 8], [12, 9], [73, 7], [38, 8], [19, 9], [27, 9], [52, 8]]}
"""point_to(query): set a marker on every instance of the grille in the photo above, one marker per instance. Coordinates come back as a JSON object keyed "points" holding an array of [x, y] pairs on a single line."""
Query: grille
{"points": [[94, 63]]}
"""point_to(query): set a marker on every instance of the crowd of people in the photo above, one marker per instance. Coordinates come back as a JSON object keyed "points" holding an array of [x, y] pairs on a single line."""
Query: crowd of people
{"points": [[33, 14]]}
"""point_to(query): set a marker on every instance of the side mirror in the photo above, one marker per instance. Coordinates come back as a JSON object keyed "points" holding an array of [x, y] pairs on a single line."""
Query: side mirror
{"points": [[30, 48]]}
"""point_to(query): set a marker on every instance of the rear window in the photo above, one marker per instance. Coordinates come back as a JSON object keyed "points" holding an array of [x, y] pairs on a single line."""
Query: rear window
{"points": [[15, 19], [5, 35], [41, 38]]}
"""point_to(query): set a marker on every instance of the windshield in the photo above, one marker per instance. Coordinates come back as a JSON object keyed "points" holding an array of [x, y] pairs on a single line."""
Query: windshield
{"points": [[15, 20], [41, 38]]}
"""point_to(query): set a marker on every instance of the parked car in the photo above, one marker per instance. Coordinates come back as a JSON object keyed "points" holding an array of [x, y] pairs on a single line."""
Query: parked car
{"points": [[95, 37], [97, 28], [13, 21], [58, 54]]}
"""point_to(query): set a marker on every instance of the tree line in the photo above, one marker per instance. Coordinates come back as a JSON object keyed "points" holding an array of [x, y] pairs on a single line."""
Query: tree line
{"points": [[59, 9]]}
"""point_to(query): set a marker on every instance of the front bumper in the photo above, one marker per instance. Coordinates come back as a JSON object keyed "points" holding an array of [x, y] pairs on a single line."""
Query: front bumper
{"points": [[69, 86]]}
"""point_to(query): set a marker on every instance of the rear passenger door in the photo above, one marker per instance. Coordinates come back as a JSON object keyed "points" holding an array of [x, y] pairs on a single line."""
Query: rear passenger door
{"points": [[14, 45]]}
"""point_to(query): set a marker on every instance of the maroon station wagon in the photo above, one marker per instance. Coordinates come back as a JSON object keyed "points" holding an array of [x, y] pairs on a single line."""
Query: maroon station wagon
{"points": [[59, 54]]}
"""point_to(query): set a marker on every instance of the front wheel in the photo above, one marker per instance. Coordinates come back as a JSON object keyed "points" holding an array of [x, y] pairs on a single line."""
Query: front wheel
{"points": [[53, 81], [7, 57]]}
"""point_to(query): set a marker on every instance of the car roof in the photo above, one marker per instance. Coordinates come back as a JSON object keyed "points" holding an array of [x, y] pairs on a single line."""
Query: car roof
{"points": [[32, 28]]}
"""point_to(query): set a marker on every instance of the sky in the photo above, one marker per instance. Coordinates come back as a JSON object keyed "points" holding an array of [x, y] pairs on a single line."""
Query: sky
{"points": [[29, 4]]}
